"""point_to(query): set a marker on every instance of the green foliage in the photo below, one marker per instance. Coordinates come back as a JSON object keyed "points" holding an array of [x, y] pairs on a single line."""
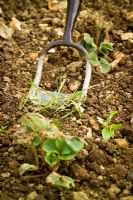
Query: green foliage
{"points": [[57, 180], [51, 145], [61, 149], [105, 47], [94, 51], [2, 129], [109, 129], [38, 124]]}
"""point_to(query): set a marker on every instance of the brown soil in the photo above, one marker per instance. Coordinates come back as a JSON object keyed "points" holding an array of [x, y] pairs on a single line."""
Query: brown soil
{"points": [[105, 170]]}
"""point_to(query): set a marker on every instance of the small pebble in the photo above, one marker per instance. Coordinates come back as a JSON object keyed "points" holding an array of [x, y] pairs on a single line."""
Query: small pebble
{"points": [[100, 178], [127, 198], [6, 174], [121, 143], [74, 85], [89, 133], [32, 196], [80, 196], [82, 154]]}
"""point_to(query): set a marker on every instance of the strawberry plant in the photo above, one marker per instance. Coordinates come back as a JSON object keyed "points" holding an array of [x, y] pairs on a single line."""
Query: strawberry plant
{"points": [[98, 54], [51, 145], [109, 128]]}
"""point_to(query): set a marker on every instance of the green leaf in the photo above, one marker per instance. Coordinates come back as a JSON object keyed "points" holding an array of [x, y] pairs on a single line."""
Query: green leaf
{"points": [[105, 47], [115, 127], [57, 180], [49, 145], [60, 143], [69, 156], [36, 141], [93, 59], [89, 40], [100, 120], [88, 43], [32, 122], [106, 133], [65, 152], [104, 66], [52, 158], [75, 144], [111, 115]]}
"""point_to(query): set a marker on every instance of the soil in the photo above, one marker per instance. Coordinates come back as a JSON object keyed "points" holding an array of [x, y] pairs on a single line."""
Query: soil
{"points": [[104, 170]]}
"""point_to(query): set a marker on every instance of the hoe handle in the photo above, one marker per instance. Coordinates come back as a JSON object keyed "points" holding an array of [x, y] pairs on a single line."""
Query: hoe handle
{"points": [[72, 12]]}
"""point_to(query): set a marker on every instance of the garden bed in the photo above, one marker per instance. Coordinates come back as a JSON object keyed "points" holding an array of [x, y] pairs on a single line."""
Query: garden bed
{"points": [[104, 170]]}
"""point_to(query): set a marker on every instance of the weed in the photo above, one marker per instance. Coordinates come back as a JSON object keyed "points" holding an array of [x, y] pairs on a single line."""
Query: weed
{"points": [[98, 54], [109, 129], [2, 129], [49, 146]]}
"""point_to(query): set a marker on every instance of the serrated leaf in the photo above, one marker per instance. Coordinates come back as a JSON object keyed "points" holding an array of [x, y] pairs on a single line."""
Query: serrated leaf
{"points": [[105, 47], [111, 115], [89, 40], [36, 141], [106, 133], [49, 145], [100, 120], [115, 127], [75, 144], [88, 43], [93, 59], [60, 181], [104, 66], [52, 158]]}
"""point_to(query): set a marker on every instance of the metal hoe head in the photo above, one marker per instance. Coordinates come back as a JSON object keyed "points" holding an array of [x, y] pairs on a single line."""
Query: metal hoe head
{"points": [[40, 96]]}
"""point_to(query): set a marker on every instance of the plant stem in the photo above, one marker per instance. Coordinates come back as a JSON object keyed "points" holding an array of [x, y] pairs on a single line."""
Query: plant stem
{"points": [[35, 155]]}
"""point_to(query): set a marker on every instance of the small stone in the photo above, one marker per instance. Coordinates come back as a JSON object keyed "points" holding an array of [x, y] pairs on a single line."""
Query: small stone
{"points": [[62, 5], [89, 133], [33, 56], [5, 31], [40, 187], [82, 154], [79, 122], [62, 69], [127, 198], [125, 192], [59, 31], [6, 79], [74, 85], [53, 5], [74, 66], [128, 15], [15, 24], [80, 196], [100, 178], [94, 124], [121, 143], [11, 149], [127, 36], [113, 190], [43, 26], [31, 196], [52, 50], [79, 172], [6, 174]]}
